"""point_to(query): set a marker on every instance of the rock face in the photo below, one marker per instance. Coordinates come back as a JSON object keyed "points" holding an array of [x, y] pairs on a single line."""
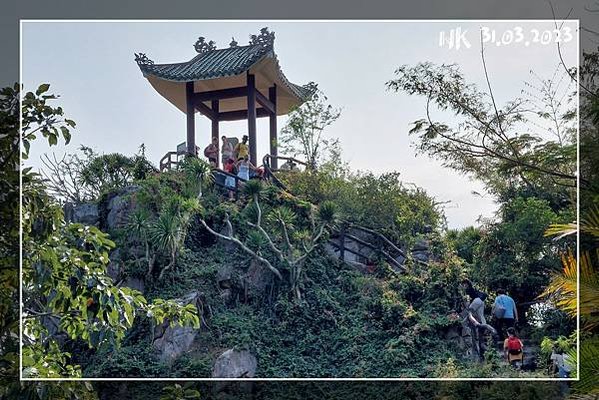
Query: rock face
{"points": [[257, 278], [171, 342], [84, 213], [235, 364], [421, 251], [115, 268], [224, 275], [135, 283], [118, 207]]}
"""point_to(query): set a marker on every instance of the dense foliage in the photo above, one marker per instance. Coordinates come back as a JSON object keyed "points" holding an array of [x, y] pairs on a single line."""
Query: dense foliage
{"points": [[351, 323], [86, 176], [66, 290], [383, 202]]}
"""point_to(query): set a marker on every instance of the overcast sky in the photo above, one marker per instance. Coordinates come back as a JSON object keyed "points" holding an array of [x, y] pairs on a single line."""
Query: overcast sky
{"points": [[91, 65]]}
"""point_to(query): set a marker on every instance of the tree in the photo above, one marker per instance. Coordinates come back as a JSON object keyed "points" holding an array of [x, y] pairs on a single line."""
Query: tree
{"points": [[82, 178], [289, 245], [9, 239], [65, 287], [199, 174], [581, 280], [513, 253], [139, 225], [169, 230], [303, 133], [491, 143]]}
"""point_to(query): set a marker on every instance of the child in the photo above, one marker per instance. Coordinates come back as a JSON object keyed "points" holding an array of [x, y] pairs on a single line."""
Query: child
{"points": [[229, 180], [513, 348]]}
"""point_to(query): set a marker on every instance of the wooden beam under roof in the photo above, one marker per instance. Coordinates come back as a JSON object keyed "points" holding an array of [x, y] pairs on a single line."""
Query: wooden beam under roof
{"points": [[220, 94], [239, 115]]}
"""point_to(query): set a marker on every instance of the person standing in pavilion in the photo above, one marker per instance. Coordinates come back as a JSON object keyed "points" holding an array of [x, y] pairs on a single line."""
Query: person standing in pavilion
{"points": [[226, 151], [242, 150], [211, 152]]}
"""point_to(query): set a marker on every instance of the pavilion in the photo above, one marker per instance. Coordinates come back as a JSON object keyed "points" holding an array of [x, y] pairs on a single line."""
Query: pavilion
{"points": [[230, 84]]}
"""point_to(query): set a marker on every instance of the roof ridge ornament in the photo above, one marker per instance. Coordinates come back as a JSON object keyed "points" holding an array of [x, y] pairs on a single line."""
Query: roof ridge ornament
{"points": [[142, 59], [233, 42], [202, 46], [264, 39]]}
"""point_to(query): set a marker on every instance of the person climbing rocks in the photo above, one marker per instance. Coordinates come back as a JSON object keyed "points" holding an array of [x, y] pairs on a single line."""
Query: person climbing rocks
{"points": [[211, 152], [477, 301], [242, 150], [513, 348], [505, 312], [226, 151]]}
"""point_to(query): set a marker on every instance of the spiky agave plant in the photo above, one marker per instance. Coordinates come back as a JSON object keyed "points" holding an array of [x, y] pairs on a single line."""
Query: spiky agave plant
{"points": [[253, 188], [327, 212]]}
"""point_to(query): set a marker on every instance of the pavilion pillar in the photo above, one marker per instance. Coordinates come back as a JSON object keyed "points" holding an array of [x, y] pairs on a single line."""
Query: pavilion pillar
{"points": [[251, 100], [215, 107], [272, 96], [191, 129]]}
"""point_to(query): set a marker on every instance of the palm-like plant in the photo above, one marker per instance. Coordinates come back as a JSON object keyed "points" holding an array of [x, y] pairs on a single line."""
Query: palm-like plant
{"points": [[170, 228], [139, 226], [198, 173], [165, 234], [563, 291]]}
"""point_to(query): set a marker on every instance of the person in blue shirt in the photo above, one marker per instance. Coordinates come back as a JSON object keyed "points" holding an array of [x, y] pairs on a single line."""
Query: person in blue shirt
{"points": [[505, 312]]}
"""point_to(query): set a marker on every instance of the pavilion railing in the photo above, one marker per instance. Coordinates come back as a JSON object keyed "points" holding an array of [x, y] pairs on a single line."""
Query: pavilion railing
{"points": [[220, 177], [269, 171], [171, 159], [167, 162]]}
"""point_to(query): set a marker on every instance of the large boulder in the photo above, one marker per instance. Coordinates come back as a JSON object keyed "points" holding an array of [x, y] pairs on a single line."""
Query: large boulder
{"points": [[134, 282], [84, 213], [421, 251], [119, 205], [170, 342], [115, 266], [224, 276], [235, 364], [257, 278]]}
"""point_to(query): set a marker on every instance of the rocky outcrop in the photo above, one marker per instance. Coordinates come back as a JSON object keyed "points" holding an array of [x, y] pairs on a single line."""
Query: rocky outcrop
{"points": [[257, 278], [134, 283], [115, 266], [84, 213], [170, 342], [118, 206], [235, 364], [421, 251]]}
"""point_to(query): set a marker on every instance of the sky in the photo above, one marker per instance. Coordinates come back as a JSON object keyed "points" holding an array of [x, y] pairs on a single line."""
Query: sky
{"points": [[91, 65]]}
